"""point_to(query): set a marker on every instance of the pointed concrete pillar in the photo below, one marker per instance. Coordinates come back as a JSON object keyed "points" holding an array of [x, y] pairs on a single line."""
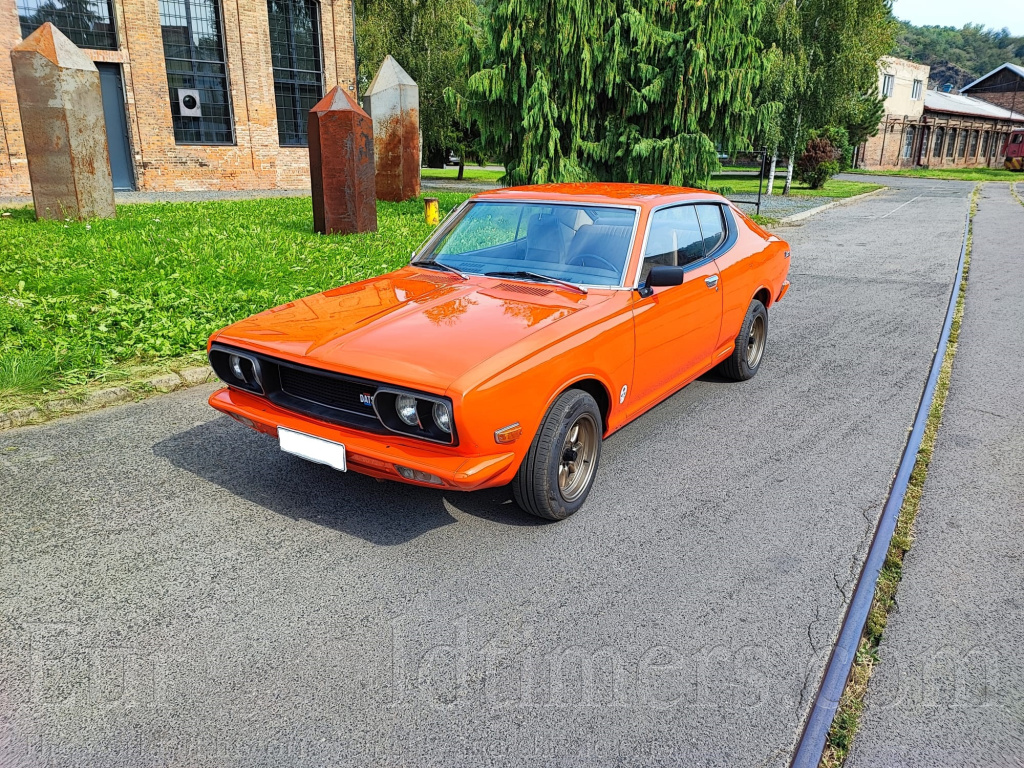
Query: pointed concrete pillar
{"points": [[393, 101], [341, 166], [61, 109]]}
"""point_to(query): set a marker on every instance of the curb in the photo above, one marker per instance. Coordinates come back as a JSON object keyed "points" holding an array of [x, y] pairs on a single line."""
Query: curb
{"points": [[165, 382], [795, 217]]}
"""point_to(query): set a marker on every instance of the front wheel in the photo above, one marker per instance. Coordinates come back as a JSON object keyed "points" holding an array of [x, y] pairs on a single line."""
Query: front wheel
{"points": [[746, 357], [559, 469]]}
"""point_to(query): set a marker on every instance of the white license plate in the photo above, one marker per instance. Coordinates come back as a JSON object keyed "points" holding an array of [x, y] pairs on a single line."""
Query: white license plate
{"points": [[314, 449]]}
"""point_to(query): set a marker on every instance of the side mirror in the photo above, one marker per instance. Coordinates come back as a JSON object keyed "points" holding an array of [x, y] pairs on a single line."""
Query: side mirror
{"points": [[661, 277]]}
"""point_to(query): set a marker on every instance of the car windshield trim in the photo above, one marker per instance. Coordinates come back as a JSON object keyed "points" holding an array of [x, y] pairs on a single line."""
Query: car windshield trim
{"points": [[424, 254]]}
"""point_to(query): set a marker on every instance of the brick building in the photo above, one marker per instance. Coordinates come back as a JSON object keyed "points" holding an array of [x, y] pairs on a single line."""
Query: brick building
{"points": [[933, 128], [198, 94]]}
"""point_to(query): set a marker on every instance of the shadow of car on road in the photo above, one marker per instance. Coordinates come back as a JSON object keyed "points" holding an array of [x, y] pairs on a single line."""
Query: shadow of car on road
{"points": [[252, 466]]}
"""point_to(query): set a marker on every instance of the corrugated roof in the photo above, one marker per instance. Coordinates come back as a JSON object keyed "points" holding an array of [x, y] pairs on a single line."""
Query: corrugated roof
{"points": [[937, 101], [1012, 67]]}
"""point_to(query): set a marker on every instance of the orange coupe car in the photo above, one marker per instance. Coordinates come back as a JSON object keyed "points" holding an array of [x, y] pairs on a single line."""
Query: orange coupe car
{"points": [[534, 322]]}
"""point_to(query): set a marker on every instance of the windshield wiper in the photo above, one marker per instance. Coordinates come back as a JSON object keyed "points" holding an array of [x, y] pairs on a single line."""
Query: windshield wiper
{"points": [[524, 275], [431, 264]]}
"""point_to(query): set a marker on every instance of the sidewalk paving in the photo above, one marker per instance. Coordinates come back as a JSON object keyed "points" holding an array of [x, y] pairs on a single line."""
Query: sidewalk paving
{"points": [[949, 690]]}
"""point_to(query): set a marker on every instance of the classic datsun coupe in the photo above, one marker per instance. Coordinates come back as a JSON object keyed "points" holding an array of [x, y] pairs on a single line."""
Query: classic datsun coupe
{"points": [[534, 322]]}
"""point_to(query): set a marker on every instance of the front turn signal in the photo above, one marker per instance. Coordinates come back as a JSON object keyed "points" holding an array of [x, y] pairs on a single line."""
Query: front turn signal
{"points": [[508, 434]]}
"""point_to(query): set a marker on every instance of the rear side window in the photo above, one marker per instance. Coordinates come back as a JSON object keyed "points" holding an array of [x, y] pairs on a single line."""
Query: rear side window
{"points": [[674, 239], [711, 226]]}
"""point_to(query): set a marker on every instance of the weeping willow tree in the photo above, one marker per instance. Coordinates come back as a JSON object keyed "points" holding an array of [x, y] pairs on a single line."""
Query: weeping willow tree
{"points": [[616, 90]]}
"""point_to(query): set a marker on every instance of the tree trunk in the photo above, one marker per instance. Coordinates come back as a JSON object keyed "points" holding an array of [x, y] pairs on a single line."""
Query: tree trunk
{"points": [[771, 172], [789, 174], [462, 167], [792, 153]]}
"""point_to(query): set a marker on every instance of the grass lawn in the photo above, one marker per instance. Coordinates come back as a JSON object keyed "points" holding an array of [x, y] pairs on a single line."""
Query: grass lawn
{"points": [[472, 173], [87, 302], [955, 174], [747, 185]]}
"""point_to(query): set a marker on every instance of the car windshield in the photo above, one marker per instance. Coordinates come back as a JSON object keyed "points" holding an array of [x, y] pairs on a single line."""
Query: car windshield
{"points": [[580, 244]]}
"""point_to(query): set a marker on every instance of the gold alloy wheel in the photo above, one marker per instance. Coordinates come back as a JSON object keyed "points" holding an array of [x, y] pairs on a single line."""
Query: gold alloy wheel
{"points": [[579, 458], [755, 342]]}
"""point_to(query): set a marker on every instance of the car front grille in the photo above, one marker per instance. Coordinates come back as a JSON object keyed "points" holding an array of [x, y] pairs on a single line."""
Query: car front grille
{"points": [[342, 394]]}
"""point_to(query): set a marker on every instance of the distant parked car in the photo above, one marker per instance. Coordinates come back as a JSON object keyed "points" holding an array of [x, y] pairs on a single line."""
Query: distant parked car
{"points": [[535, 322]]}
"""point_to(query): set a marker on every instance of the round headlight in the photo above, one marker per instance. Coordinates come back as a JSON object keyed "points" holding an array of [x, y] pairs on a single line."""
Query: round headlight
{"points": [[443, 417], [236, 367], [405, 405]]}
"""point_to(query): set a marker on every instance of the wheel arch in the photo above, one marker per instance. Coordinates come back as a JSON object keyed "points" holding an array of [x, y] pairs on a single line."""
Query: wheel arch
{"points": [[597, 390], [764, 295]]}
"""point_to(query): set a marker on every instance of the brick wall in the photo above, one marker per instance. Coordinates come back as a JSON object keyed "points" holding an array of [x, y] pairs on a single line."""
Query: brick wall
{"points": [[255, 161], [13, 166], [887, 153]]}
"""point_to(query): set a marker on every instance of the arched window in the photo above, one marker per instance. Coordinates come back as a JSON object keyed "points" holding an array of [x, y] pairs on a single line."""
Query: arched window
{"points": [[197, 72], [984, 143], [951, 143], [974, 144], [963, 143], [87, 23], [940, 134], [298, 67], [908, 142]]}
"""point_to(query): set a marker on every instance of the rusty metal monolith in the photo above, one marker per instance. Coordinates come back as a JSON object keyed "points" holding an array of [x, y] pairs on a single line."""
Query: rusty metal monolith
{"points": [[341, 165], [393, 101], [65, 132]]}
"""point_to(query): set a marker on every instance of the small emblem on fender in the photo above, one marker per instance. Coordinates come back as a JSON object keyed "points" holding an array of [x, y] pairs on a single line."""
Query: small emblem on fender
{"points": [[622, 393], [366, 399]]}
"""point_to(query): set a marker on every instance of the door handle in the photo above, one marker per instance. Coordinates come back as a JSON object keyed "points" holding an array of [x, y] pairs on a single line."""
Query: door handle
{"points": [[711, 281]]}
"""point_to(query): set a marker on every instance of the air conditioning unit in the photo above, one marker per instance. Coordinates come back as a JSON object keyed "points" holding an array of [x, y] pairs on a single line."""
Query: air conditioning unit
{"points": [[188, 103]]}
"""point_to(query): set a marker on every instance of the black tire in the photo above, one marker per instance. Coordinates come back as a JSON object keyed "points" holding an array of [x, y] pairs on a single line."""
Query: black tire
{"points": [[751, 344], [536, 487]]}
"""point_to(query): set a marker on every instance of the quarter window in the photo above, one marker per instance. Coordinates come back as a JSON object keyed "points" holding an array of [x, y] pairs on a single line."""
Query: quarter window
{"points": [[197, 77], [298, 70], [674, 239], [711, 226], [87, 23]]}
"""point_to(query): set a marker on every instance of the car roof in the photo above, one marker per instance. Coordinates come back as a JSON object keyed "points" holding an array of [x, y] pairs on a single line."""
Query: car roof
{"points": [[608, 193]]}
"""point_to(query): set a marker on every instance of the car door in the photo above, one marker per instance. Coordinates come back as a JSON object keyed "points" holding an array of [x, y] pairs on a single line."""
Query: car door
{"points": [[676, 327]]}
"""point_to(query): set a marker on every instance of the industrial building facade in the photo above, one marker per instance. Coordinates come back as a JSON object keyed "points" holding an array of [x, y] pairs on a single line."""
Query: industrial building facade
{"points": [[197, 94], [937, 129]]}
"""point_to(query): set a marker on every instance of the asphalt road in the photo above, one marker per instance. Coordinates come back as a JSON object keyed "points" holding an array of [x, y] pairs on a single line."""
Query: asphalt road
{"points": [[950, 687], [176, 591]]}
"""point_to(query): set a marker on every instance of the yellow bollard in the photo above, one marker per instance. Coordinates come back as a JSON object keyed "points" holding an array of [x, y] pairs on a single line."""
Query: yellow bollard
{"points": [[431, 211]]}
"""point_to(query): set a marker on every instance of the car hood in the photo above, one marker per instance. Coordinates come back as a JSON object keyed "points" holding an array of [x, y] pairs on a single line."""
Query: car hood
{"points": [[413, 327]]}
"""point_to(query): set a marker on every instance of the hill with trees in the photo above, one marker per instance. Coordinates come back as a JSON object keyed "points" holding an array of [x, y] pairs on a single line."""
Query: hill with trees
{"points": [[958, 56]]}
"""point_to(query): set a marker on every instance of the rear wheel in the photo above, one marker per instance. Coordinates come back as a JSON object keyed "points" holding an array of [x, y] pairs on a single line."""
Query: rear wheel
{"points": [[746, 357], [558, 472]]}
